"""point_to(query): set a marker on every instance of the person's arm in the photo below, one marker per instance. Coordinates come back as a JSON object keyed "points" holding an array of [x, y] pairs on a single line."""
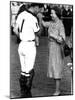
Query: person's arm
{"points": [[17, 27], [36, 27], [61, 35], [62, 31], [45, 24]]}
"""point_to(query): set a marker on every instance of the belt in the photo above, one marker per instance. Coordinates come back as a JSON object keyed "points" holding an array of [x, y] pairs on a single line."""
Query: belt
{"points": [[31, 41], [51, 39]]}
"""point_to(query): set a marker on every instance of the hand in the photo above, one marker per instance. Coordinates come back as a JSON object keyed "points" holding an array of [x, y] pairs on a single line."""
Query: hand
{"points": [[60, 40], [37, 40], [15, 31], [69, 44]]}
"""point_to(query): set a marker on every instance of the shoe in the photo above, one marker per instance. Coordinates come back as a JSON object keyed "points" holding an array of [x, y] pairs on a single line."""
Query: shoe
{"points": [[56, 94]]}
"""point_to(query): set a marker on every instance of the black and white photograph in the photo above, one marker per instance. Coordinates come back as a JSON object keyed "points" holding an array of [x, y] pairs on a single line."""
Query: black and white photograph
{"points": [[37, 49], [41, 49]]}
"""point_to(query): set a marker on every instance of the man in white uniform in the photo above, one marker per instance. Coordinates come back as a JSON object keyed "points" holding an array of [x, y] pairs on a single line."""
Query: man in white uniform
{"points": [[27, 24]]}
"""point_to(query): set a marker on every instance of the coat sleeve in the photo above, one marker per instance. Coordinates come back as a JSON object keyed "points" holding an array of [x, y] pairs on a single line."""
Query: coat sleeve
{"points": [[62, 31]]}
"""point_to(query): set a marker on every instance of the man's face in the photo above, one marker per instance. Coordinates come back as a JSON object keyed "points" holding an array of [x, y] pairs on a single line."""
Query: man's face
{"points": [[36, 9]]}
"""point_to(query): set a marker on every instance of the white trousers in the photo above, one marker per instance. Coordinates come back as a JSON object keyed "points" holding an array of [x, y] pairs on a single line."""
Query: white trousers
{"points": [[27, 54]]}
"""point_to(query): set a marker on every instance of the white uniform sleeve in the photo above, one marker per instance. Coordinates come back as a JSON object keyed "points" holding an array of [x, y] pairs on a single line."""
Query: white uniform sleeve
{"points": [[17, 26], [19, 21], [36, 27]]}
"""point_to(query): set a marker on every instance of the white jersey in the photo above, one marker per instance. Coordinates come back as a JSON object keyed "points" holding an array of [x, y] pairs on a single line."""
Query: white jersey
{"points": [[30, 26]]}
